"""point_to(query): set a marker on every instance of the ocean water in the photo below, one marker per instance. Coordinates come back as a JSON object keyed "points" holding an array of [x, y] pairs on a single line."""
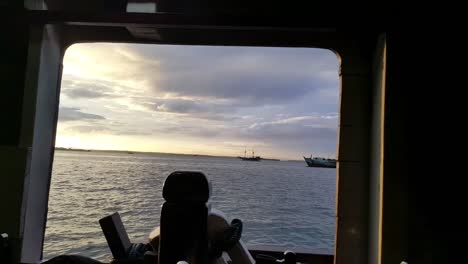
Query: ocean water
{"points": [[281, 203]]}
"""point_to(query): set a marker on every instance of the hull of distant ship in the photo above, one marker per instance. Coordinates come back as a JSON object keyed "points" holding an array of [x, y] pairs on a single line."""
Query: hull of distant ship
{"points": [[312, 163], [250, 159]]}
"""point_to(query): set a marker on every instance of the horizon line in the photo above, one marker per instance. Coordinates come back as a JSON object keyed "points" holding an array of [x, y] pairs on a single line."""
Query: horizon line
{"points": [[156, 152]]}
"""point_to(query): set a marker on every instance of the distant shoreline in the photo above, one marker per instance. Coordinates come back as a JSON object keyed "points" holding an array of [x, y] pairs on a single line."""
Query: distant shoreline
{"points": [[166, 153]]}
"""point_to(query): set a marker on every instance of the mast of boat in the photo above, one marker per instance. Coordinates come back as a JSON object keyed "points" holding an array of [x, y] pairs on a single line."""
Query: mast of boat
{"points": [[245, 152]]}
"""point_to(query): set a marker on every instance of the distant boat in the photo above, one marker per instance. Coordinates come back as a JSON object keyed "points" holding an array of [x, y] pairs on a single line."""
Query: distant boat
{"points": [[252, 158], [320, 162]]}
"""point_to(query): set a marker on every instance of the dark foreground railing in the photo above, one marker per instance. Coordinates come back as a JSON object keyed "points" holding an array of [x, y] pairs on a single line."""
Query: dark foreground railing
{"points": [[302, 255]]}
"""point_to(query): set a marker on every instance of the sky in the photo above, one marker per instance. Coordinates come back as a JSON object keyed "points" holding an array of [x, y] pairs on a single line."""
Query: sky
{"points": [[210, 100]]}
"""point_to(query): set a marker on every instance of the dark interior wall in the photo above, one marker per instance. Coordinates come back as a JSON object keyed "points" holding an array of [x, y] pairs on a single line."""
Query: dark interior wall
{"points": [[313, 8], [395, 171], [91, 6], [433, 81], [422, 74], [14, 46], [13, 157]]}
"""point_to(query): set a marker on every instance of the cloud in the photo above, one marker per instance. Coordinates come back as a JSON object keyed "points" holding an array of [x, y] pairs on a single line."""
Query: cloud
{"points": [[109, 62], [87, 129], [316, 120], [194, 108], [240, 77], [300, 128], [107, 129], [180, 106], [249, 88], [84, 93], [255, 76], [276, 98], [74, 114], [296, 133], [194, 130], [76, 88]]}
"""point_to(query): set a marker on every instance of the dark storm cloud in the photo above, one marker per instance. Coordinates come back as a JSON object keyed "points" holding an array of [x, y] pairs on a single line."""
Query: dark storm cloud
{"points": [[74, 114]]}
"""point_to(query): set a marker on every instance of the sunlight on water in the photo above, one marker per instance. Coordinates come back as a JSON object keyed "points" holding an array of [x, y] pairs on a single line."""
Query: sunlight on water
{"points": [[282, 203]]}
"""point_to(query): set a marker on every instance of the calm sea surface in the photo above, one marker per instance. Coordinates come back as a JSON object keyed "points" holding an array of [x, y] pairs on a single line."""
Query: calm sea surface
{"points": [[282, 203]]}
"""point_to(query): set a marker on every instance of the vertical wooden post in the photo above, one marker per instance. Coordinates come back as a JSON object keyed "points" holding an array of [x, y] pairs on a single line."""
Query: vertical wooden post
{"points": [[353, 158]]}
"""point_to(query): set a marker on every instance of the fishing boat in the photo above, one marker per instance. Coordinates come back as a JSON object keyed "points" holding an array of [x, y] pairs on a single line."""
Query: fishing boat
{"points": [[320, 162]]}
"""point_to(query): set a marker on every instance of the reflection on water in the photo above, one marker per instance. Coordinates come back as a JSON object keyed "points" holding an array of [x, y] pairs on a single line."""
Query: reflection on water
{"points": [[282, 203]]}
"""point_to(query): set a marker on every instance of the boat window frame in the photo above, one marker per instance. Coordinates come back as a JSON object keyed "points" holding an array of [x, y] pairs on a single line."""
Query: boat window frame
{"points": [[44, 74]]}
